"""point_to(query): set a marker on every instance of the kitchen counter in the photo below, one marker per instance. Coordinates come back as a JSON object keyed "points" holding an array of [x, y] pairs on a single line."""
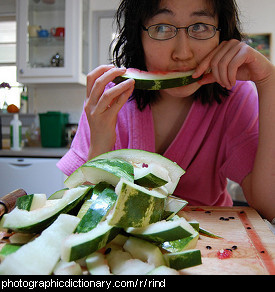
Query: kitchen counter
{"points": [[35, 152]]}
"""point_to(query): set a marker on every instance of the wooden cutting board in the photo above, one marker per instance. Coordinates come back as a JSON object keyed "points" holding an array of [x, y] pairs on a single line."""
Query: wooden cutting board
{"points": [[242, 228]]}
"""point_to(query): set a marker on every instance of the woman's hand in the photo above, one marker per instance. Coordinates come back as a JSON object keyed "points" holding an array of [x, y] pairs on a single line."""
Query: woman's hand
{"points": [[233, 60], [102, 106]]}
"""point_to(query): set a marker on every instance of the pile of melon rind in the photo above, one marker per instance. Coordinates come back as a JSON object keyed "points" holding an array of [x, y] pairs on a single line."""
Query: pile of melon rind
{"points": [[117, 216]]}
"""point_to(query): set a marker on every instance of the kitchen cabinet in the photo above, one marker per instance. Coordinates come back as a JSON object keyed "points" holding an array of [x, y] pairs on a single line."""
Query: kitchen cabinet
{"points": [[53, 41], [34, 175]]}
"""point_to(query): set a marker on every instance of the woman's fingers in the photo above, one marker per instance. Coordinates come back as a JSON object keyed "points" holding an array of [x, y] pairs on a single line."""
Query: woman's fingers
{"points": [[101, 82], [96, 73], [205, 64], [121, 99], [223, 64], [116, 96]]}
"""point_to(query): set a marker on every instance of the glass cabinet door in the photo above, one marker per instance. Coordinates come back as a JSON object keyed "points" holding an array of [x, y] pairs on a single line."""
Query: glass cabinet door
{"points": [[46, 33], [47, 38]]}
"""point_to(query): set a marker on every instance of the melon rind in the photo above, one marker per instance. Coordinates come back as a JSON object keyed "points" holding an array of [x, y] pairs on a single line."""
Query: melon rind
{"points": [[136, 206], [98, 210], [97, 170], [136, 156], [39, 219], [39, 257], [182, 244], [79, 245], [182, 260], [163, 231], [157, 80]]}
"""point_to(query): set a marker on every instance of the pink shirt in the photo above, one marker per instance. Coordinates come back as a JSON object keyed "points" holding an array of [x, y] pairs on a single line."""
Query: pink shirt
{"points": [[214, 143]]}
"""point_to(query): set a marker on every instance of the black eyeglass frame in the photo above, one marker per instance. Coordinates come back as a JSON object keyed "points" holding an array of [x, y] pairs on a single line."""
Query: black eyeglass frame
{"points": [[215, 29]]}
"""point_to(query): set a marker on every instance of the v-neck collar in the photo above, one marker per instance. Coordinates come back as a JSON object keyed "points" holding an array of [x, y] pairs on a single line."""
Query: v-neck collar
{"points": [[193, 126]]}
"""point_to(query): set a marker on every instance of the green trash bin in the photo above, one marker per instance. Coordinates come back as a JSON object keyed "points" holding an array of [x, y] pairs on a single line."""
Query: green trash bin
{"points": [[53, 129]]}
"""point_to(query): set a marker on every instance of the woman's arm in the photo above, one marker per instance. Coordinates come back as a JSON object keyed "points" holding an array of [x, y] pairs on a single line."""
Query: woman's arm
{"points": [[259, 185], [234, 60]]}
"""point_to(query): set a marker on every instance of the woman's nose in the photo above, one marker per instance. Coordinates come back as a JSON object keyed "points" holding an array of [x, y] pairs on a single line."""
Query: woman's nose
{"points": [[182, 47]]}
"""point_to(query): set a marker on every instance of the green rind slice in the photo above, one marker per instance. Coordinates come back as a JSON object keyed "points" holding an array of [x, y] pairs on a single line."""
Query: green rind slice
{"points": [[39, 257], [24, 202], [97, 264], [76, 179], [58, 194], [98, 210], [151, 176], [159, 81], [117, 167], [136, 206], [151, 181], [97, 170], [31, 202], [182, 244], [162, 231], [79, 245], [172, 206], [144, 250], [8, 249], [208, 233], [39, 219], [195, 224], [95, 191], [184, 259], [136, 156]]}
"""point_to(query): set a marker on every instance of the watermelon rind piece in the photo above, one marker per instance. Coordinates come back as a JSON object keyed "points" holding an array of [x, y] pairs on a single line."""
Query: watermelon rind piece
{"points": [[208, 233], [39, 219], [184, 259], [8, 249], [157, 80], [172, 206], [96, 190], [39, 257], [58, 194], [97, 170], [97, 264], [67, 269], [31, 202], [181, 244], [144, 251], [98, 210], [162, 231], [79, 245], [76, 179], [151, 176], [136, 206], [138, 157]]}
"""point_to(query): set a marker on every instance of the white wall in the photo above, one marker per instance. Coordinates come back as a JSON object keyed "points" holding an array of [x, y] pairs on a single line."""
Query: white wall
{"points": [[256, 16]]}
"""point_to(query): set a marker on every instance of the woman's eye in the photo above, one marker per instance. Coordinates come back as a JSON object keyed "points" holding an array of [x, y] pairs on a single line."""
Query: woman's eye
{"points": [[199, 27], [162, 28]]}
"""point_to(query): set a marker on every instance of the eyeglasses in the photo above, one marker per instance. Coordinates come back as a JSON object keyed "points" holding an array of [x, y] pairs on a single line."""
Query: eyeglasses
{"points": [[198, 31]]}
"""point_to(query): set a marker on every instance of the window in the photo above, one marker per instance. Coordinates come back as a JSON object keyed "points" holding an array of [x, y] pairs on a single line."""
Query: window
{"points": [[8, 62]]}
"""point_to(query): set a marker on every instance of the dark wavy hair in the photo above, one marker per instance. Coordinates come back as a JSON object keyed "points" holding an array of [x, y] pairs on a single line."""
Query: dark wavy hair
{"points": [[128, 49]]}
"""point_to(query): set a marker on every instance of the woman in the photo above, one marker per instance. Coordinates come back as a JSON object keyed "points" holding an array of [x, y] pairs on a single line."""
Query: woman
{"points": [[211, 127]]}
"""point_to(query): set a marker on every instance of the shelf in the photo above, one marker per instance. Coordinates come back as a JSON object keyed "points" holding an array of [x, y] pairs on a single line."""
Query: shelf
{"points": [[47, 41], [40, 6]]}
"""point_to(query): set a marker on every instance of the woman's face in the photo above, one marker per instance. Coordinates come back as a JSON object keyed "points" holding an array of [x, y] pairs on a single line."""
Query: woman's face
{"points": [[180, 53]]}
